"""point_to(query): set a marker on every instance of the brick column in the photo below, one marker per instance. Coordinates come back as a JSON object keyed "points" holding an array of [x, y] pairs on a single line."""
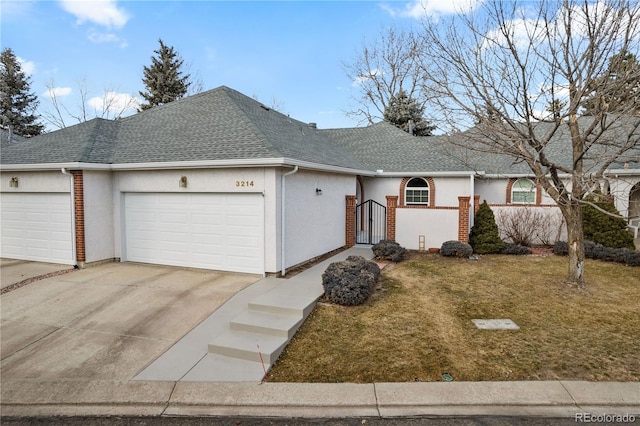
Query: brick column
{"points": [[392, 205], [78, 206], [463, 218], [350, 221], [476, 204]]}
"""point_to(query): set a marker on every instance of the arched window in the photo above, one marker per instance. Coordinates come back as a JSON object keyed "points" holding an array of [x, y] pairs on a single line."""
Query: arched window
{"points": [[417, 192], [523, 191]]}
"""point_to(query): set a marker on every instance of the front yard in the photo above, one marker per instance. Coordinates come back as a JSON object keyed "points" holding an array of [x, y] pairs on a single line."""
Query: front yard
{"points": [[417, 326]]}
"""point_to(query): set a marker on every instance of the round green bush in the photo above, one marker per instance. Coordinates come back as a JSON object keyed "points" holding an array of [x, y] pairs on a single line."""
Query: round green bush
{"points": [[456, 249], [351, 281]]}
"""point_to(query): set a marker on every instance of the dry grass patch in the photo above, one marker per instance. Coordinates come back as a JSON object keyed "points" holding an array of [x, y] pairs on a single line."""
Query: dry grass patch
{"points": [[418, 326]]}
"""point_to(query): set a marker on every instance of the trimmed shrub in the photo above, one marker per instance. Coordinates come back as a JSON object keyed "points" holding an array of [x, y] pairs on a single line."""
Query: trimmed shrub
{"points": [[485, 237], [515, 249], [351, 281], [389, 250], [602, 228], [561, 248], [600, 252], [456, 249]]}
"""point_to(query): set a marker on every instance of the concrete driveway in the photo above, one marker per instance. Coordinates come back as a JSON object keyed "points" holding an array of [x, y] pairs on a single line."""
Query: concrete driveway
{"points": [[14, 272], [105, 322]]}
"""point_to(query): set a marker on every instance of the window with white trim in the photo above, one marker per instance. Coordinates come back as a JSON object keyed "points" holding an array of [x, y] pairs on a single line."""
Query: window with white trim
{"points": [[416, 192], [523, 191]]}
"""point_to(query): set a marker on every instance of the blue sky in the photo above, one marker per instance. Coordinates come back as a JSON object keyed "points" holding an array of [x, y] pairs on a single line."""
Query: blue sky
{"points": [[285, 53]]}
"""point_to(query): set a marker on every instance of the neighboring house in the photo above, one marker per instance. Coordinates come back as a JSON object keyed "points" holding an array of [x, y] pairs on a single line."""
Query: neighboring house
{"points": [[219, 181]]}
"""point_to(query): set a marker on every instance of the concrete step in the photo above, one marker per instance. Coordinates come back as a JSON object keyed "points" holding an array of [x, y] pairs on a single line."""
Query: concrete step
{"points": [[277, 303], [267, 323], [248, 346]]}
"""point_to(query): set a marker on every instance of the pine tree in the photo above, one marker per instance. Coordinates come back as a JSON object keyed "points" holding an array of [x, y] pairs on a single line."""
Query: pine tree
{"points": [[164, 80], [405, 113], [618, 89], [485, 236], [17, 102], [602, 228]]}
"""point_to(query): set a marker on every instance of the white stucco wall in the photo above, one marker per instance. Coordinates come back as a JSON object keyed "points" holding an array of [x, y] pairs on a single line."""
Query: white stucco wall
{"points": [[49, 181], [493, 191], [315, 224], [436, 225], [621, 187], [448, 189], [545, 222], [98, 216]]}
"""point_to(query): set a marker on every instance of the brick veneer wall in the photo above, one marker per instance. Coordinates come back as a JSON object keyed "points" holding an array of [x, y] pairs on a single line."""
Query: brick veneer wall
{"points": [[463, 218], [392, 204], [350, 221], [78, 205]]}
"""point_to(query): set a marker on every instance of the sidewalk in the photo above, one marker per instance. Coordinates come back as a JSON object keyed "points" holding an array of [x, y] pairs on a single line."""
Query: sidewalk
{"points": [[319, 400]]}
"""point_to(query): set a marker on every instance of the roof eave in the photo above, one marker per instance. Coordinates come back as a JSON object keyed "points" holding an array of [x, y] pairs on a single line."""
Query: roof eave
{"points": [[54, 166]]}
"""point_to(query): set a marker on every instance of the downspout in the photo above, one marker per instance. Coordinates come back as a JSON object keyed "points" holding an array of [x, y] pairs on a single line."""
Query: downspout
{"points": [[282, 218], [73, 216]]}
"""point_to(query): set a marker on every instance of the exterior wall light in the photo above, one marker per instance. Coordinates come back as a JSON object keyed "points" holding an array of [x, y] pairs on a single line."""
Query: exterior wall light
{"points": [[318, 191], [183, 182], [13, 183]]}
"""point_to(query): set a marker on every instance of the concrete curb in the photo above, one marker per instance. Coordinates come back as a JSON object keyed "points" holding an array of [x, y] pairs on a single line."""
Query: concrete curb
{"points": [[318, 400]]}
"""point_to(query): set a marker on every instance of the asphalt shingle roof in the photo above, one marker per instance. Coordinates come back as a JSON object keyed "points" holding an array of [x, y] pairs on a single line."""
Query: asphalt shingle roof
{"points": [[223, 124]]}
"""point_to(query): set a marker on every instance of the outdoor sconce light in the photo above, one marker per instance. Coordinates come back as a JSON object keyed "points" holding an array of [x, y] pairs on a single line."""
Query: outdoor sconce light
{"points": [[318, 191], [13, 183], [183, 182]]}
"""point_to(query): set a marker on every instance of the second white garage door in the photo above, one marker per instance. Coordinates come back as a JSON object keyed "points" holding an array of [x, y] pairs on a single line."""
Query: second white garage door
{"points": [[212, 231]]}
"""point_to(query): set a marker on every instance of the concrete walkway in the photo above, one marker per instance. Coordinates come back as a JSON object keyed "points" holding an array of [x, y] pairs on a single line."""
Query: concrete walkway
{"points": [[242, 338]]}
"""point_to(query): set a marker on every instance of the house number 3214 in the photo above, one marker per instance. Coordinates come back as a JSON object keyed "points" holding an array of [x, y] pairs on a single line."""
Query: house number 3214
{"points": [[244, 183]]}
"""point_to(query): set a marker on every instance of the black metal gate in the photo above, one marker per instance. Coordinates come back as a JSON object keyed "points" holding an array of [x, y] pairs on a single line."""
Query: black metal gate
{"points": [[371, 222]]}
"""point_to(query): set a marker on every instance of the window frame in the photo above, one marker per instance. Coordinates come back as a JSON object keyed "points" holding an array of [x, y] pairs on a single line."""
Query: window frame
{"points": [[532, 190], [424, 193]]}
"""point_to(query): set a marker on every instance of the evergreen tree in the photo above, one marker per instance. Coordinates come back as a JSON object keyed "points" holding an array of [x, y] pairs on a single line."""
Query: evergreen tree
{"points": [[601, 228], [164, 80], [618, 89], [485, 237], [405, 113], [17, 102]]}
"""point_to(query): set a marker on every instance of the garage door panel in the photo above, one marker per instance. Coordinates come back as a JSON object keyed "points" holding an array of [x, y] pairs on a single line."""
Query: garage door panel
{"points": [[37, 226], [213, 231]]}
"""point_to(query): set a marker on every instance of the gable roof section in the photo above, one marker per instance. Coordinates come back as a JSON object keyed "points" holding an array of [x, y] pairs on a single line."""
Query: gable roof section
{"points": [[383, 146]]}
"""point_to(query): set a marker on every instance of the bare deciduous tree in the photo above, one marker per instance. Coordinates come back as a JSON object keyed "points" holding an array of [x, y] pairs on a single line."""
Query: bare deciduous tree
{"points": [[382, 69], [496, 68], [111, 105]]}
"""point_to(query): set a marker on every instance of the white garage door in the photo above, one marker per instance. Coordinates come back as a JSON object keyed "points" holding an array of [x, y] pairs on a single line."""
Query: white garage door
{"points": [[37, 226], [212, 231]]}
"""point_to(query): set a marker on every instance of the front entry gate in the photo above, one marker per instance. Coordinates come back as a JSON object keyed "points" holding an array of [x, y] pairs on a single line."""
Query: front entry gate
{"points": [[371, 222]]}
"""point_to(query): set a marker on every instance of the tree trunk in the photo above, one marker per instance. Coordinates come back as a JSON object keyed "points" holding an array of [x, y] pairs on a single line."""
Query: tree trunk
{"points": [[575, 239]]}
